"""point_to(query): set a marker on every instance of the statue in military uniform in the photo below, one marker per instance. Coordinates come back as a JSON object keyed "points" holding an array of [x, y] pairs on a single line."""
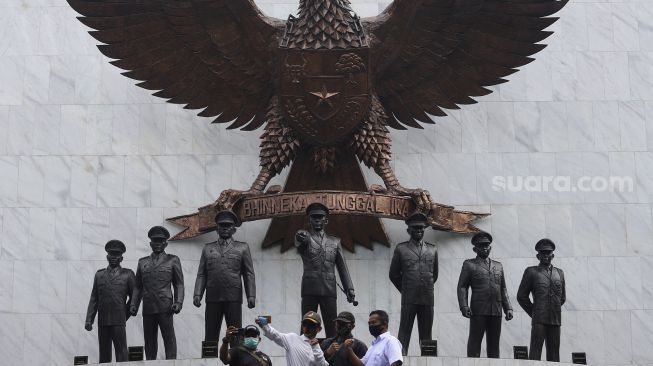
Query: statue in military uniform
{"points": [[321, 255], [113, 288], [413, 271], [547, 286], [155, 275], [221, 267], [489, 298]]}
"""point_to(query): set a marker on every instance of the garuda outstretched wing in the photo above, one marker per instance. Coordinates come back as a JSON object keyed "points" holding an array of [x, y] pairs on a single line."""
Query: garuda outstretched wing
{"points": [[434, 54], [215, 55]]}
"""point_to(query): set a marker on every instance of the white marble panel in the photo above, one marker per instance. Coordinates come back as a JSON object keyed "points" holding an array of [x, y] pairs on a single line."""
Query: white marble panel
{"points": [[586, 233], [68, 339], [624, 23], [489, 167], [599, 27], [61, 85], [244, 171], [615, 66], [37, 79], [612, 225], [563, 72], [606, 125], [79, 283], [409, 170], [448, 133], [179, 130], [505, 232], [559, 229], [6, 285], [38, 332], [543, 165], [163, 183], [644, 12], [95, 233], [125, 133], [501, 128], [580, 126], [601, 271], [12, 72], [632, 124], [191, 182], [19, 130], [9, 184], [151, 128], [642, 343], [628, 283], [462, 181], [26, 285], [73, 129], [638, 229], [98, 129], [57, 172], [622, 167], [83, 181], [68, 234], [136, 189], [12, 336], [19, 30], [577, 282], [31, 181], [435, 178], [110, 176], [41, 230], [589, 71], [474, 127], [532, 227], [570, 166], [641, 75], [574, 27], [528, 127], [123, 226], [15, 233], [516, 168]]}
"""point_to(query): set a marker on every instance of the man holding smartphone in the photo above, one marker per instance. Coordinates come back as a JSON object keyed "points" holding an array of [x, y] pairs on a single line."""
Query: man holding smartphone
{"points": [[246, 353]]}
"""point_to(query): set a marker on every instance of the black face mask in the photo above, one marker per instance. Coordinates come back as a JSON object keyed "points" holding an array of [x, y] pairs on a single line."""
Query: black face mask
{"points": [[344, 330], [375, 330]]}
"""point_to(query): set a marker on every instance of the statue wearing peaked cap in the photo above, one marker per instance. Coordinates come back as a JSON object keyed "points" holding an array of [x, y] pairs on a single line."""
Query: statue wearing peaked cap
{"points": [[546, 284], [113, 288], [489, 297], [157, 277], [413, 271], [222, 265], [321, 255]]}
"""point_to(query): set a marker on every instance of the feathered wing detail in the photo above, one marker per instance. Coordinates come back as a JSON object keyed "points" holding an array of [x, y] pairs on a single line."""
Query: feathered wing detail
{"points": [[215, 55], [433, 54], [371, 142], [278, 142]]}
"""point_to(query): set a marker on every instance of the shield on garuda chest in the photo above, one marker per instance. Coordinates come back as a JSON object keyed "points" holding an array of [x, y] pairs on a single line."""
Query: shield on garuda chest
{"points": [[324, 93]]}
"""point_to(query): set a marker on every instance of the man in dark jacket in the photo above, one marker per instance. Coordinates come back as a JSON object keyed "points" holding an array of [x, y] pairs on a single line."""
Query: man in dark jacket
{"points": [[547, 284], [489, 298], [155, 275], [321, 255], [113, 287], [221, 267], [413, 271], [334, 351]]}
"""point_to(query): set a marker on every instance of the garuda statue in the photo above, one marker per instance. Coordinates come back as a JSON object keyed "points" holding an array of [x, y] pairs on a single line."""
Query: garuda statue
{"points": [[326, 85]]}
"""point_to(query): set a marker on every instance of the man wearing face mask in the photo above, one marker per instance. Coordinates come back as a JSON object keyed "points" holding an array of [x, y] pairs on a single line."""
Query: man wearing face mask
{"points": [[547, 285], [155, 276], [321, 255], [221, 267], [332, 347], [489, 297], [301, 350], [113, 288], [246, 354], [385, 349], [413, 271]]}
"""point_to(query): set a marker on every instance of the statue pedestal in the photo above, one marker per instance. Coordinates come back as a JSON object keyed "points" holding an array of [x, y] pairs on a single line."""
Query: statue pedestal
{"points": [[408, 361]]}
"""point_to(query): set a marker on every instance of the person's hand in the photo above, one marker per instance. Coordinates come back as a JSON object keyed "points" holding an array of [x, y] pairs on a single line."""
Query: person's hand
{"points": [[88, 326], [467, 312], [313, 342], [197, 301], [251, 302], [348, 343], [509, 315], [232, 332], [261, 321], [133, 310], [302, 237], [176, 308], [351, 295], [333, 348]]}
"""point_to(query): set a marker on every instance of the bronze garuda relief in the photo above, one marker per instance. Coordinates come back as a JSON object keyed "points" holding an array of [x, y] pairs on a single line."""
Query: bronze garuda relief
{"points": [[326, 86]]}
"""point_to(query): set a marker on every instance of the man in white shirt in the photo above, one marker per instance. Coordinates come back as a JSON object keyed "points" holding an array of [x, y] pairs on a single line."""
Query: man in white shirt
{"points": [[385, 349], [301, 350]]}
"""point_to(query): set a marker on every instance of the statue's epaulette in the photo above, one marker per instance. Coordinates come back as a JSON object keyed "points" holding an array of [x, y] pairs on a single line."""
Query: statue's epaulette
{"points": [[101, 269], [427, 243]]}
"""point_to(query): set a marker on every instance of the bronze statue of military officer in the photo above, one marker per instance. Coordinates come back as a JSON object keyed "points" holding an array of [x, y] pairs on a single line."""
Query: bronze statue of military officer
{"points": [[546, 283], [155, 275], [221, 267], [489, 297], [413, 271], [321, 255], [113, 288]]}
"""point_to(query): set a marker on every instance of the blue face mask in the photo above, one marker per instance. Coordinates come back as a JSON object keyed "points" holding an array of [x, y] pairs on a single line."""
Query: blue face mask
{"points": [[250, 342]]}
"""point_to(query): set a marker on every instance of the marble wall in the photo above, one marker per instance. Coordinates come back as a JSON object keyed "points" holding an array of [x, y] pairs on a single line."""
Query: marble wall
{"points": [[85, 156]]}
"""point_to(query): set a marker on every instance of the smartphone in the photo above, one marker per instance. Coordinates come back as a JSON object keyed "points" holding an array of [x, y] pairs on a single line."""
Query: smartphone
{"points": [[268, 317]]}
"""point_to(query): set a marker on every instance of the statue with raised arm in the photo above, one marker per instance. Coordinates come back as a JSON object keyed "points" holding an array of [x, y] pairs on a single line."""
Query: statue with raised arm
{"points": [[321, 255]]}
